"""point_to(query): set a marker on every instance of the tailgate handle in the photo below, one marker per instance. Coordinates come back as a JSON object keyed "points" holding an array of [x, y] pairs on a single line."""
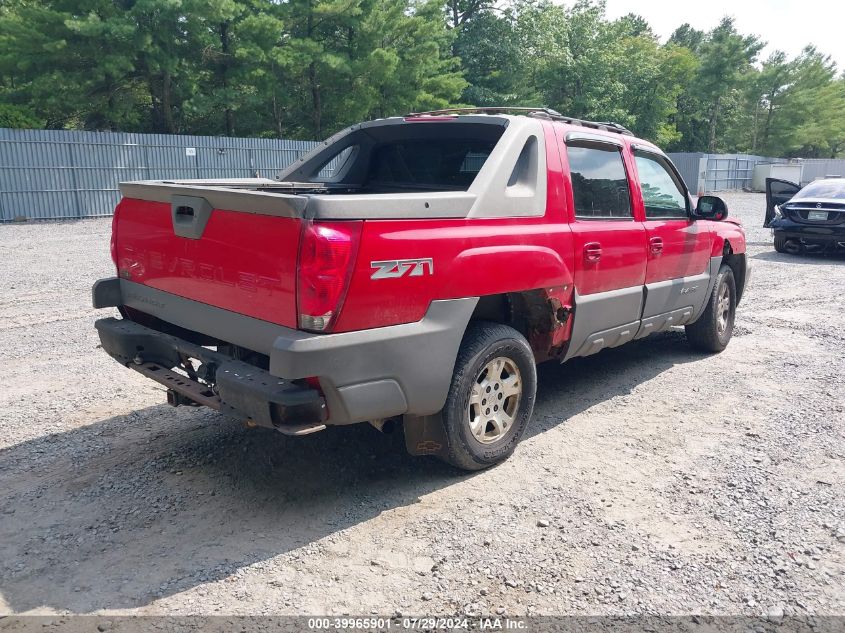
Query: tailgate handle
{"points": [[190, 214]]}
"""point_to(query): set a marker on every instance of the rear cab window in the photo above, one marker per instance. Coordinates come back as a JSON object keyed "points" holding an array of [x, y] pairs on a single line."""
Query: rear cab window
{"points": [[403, 157], [422, 164]]}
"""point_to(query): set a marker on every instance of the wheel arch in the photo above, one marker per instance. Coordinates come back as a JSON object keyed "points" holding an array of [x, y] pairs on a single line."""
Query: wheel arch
{"points": [[738, 265], [542, 316]]}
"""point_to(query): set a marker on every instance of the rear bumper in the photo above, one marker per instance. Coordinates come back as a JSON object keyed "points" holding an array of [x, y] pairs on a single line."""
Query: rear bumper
{"points": [[829, 236], [364, 375], [241, 390]]}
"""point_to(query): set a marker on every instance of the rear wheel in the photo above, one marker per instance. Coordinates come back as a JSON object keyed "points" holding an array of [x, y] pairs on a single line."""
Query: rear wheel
{"points": [[491, 397], [780, 243], [715, 326]]}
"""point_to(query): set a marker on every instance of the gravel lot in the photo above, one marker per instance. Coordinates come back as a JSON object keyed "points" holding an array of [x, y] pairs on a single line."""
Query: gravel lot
{"points": [[653, 479]]}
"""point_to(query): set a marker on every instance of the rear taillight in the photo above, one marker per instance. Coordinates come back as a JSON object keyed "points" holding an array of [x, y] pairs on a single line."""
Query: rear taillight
{"points": [[327, 253]]}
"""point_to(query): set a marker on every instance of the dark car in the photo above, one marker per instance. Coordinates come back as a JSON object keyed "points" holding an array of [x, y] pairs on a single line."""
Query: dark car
{"points": [[809, 219]]}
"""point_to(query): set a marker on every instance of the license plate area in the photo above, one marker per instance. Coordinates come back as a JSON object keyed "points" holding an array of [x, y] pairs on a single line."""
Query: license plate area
{"points": [[817, 216]]}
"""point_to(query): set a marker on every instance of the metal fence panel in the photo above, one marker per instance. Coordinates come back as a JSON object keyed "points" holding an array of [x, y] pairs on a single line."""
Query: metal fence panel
{"points": [[688, 164], [68, 174], [65, 174], [727, 172], [822, 167], [707, 173]]}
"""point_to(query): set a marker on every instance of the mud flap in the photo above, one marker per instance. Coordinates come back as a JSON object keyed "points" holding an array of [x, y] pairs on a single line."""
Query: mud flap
{"points": [[425, 435]]}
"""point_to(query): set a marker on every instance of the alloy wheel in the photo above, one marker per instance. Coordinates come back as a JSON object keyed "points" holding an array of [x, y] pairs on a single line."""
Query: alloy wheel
{"points": [[723, 309], [494, 400]]}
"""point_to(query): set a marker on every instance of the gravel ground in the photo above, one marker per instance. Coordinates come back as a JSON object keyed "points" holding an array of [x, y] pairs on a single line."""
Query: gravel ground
{"points": [[653, 480]]}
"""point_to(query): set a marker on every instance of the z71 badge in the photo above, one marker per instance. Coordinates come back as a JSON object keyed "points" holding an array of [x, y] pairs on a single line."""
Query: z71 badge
{"points": [[393, 268]]}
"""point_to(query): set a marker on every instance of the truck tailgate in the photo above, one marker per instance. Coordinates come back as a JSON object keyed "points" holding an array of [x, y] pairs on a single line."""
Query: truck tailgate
{"points": [[239, 261]]}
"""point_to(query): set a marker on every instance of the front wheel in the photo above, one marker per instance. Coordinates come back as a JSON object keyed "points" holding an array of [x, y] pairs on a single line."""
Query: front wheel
{"points": [[715, 326], [491, 397]]}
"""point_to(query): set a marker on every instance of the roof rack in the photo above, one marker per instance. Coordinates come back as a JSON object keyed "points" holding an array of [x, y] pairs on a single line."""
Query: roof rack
{"points": [[487, 110], [544, 113]]}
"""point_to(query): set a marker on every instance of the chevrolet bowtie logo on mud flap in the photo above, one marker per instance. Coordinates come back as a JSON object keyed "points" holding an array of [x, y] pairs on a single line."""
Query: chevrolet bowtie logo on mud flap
{"points": [[393, 268], [428, 447]]}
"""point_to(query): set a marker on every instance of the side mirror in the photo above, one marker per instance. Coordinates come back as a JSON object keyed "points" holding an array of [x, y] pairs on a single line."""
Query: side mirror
{"points": [[710, 208]]}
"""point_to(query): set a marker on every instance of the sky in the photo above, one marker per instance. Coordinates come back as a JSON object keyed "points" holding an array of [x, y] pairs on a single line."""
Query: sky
{"points": [[787, 25]]}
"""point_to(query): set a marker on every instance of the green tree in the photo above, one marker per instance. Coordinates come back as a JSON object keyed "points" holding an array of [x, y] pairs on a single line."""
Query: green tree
{"points": [[583, 82], [811, 120], [770, 87], [725, 56], [687, 37], [459, 12], [350, 59], [657, 75], [261, 62], [490, 53], [542, 31], [219, 77], [99, 64], [17, 117], [504, 52], [306, 68], [49, 66]]}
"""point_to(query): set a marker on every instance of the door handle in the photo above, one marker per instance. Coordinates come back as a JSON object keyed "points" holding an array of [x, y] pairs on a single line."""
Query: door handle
{"points": [[592, 252], [655, 246]]}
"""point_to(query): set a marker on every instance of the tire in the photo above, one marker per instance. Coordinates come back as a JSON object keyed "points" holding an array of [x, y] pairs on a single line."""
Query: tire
{"points": [[713, 330], [780, 243], [477, 436]]}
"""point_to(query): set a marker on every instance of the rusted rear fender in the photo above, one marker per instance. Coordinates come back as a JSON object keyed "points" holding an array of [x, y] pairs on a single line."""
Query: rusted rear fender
{"points": [[491, 270]]}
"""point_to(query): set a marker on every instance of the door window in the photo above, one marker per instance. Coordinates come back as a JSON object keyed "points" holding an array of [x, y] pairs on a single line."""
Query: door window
{"points": [[599, 183], [663, 195]]}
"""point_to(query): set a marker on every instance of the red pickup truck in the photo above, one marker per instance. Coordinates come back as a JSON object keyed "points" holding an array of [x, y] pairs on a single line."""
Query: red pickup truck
{"points": [[415, 270]]}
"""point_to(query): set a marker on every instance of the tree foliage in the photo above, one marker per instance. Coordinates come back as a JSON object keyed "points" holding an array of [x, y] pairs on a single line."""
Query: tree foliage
{"points": [[306, 68], [301, 68]]}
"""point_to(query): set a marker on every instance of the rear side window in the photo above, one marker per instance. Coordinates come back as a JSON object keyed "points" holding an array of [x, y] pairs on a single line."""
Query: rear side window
{"points": [[437, 164], [663, 196], [337, 163], [599, 182]]}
